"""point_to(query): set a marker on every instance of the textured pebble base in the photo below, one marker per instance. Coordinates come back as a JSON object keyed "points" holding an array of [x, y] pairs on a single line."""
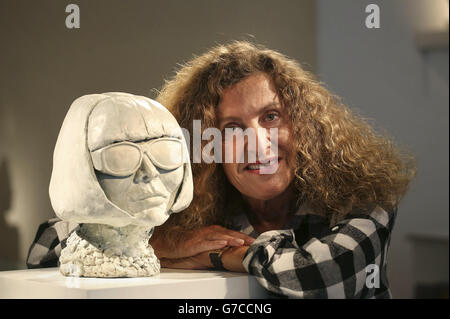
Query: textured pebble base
{"points": [[82, 259]]}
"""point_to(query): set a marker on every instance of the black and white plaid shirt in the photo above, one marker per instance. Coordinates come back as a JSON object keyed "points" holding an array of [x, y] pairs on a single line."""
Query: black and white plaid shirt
{"points": [[308, 259]]}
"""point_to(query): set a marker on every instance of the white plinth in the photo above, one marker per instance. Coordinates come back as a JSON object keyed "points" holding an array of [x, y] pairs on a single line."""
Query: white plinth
{"points": [[169, 284]]}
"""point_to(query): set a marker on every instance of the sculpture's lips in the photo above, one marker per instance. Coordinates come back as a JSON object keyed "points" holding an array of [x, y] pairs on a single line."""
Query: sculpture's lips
{"points": [[150, 196]]}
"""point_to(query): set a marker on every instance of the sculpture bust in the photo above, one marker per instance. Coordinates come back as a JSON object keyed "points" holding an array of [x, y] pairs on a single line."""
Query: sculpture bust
{"points": [[120, 168]]}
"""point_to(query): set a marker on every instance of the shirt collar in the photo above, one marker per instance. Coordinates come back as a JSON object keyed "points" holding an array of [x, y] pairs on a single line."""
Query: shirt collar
{"points": [[240, 221]]}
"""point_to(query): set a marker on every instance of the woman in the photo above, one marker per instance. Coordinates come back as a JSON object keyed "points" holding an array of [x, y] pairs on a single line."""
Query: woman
{"points": [[322, 220]]}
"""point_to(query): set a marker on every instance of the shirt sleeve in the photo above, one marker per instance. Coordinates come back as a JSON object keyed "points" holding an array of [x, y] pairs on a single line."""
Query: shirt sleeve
{"points": [[333, 264], [50, 239]]}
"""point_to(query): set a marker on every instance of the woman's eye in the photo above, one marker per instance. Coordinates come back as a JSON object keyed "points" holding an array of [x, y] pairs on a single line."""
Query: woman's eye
{"points": [[271, 117], [232, 127]]}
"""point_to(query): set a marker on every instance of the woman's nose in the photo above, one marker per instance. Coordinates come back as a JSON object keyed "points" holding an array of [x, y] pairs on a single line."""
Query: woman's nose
{"points": [[147, 171], [260, 144]]}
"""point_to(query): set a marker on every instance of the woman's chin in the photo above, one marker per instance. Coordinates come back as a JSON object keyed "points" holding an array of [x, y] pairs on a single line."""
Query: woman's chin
{"points": [[264, 192]]}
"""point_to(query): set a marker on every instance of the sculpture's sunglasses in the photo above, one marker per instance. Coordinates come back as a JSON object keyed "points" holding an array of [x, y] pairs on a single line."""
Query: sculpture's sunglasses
{"points": [[124, 158]]}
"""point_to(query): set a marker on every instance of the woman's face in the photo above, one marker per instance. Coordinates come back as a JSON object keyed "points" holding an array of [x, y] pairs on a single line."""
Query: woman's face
{"points": [[253, 103]]}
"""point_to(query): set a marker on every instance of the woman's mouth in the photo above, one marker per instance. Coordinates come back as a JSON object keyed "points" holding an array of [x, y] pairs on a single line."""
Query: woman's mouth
{"points": [[266, 167]]}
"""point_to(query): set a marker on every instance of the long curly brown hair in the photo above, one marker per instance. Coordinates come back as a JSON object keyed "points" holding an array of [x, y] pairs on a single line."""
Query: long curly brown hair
{"points": [[342, 163]]}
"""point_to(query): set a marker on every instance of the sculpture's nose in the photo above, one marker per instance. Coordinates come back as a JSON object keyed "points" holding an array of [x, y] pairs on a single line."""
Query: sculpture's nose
{"points": [[147, 171]]}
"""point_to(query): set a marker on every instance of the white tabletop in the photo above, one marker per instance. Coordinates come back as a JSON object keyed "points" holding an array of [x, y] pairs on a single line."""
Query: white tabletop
{"points": [[169, 284]]}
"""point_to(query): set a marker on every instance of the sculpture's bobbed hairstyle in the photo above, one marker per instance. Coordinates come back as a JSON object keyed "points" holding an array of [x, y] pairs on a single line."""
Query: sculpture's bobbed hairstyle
{"points": [[74, 190]]}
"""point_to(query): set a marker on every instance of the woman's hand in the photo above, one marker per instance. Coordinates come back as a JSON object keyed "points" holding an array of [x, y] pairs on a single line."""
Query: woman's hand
{"points": [[194, 242], [231, 260]]}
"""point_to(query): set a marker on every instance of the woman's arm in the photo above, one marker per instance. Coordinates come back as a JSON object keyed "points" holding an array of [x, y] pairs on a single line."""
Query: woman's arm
{"points": [[231, 260], [193, 242], [330, 266]]}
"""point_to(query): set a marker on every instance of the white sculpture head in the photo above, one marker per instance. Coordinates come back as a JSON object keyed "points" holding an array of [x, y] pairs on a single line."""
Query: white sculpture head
{"points": [[120, 159]]}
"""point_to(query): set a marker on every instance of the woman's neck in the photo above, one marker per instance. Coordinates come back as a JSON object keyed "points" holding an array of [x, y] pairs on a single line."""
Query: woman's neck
{"points": [[272, 213]]}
